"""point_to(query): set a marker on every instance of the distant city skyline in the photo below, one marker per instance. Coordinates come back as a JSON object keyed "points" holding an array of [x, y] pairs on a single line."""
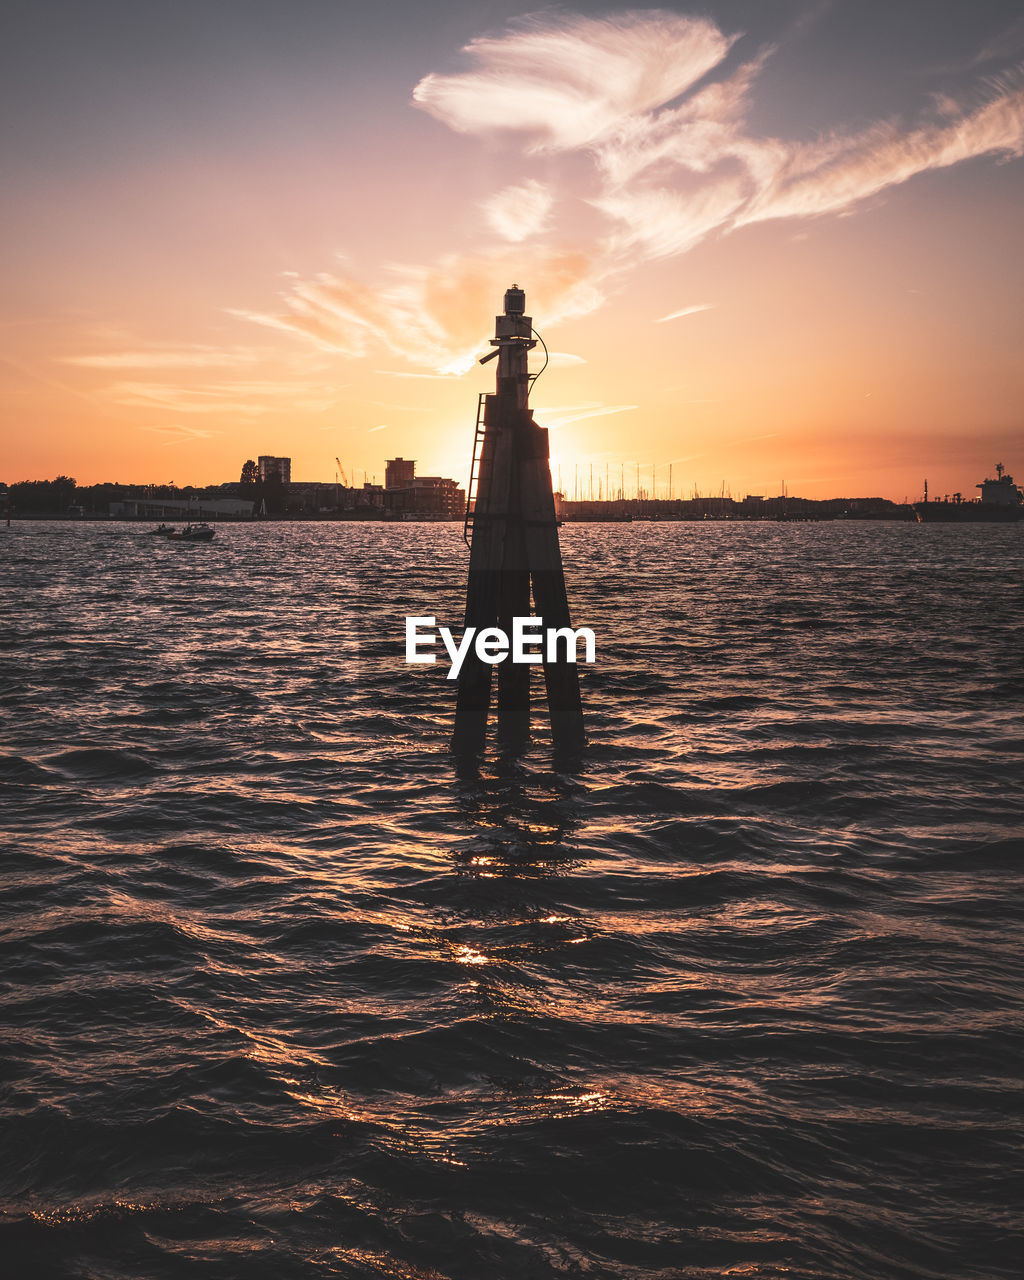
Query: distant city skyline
{"points": [[764, 244]]}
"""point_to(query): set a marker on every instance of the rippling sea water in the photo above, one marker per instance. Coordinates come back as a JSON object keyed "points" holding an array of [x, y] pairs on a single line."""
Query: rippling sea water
{"points": [[286, 993]]}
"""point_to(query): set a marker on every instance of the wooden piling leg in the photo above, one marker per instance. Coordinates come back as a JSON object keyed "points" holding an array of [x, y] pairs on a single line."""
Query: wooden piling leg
{"points": [[474, 696], [561, 677], [545, 559], [513, 677], [483, 592], [514, 602]]}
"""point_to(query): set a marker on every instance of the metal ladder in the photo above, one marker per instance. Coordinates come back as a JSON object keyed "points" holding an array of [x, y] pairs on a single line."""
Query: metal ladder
{"points": [[473, 488]]}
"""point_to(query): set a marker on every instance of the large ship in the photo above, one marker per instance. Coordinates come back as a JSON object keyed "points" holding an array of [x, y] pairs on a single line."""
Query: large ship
{"points": [[1001, 501]]}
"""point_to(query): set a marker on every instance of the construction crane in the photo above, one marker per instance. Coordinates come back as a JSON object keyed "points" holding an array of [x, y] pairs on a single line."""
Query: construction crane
{"points": [[341, 472]]}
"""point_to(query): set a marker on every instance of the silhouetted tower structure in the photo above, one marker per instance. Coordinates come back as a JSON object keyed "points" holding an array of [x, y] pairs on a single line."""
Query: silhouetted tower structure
{"points": [[399, 473], [514, 544]]}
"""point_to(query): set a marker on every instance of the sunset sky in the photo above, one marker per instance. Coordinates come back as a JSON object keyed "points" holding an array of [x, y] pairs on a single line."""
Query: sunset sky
{"points": [[766, 242]]}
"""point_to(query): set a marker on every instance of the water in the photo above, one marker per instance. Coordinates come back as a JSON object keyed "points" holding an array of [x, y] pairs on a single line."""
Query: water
{"points": [[286, 994]]}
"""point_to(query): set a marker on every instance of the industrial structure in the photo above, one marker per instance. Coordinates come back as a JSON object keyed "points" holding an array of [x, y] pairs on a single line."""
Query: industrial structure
{"points": [[513, 534], [1001, 502]]}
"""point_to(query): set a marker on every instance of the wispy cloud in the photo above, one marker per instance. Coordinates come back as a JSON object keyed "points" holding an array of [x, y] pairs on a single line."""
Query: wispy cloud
{"points": [[383, 427], [767, 435], [651, 102], [573, 81], [395, 408], [249, 399], [433, 316], [832, 175], [562, 415], [197, 357], [175, 431], [686, 311], [672, 174], [400, 373], [520, 212], [1010, 41]]}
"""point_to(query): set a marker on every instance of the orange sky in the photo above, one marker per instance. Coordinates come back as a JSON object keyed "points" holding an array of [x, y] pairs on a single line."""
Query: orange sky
{"points": [[296, 247]]}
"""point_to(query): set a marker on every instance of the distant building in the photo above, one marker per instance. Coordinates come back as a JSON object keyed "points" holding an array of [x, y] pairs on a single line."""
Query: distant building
{"points": [[315, 496], [268, 466], [198, 507], [370, 495], [399, 473], [433, 497]]}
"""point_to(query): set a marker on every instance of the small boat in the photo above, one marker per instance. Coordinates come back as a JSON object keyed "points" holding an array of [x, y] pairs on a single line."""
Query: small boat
{"points": [[193, 533], [164, 531]]}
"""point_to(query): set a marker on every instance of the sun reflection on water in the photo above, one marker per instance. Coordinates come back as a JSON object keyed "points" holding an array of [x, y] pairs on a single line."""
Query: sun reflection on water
{"points": [[470, 955]]}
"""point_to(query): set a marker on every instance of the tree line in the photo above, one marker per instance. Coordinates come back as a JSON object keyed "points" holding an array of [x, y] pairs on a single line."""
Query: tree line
{"points": [[56, 497]]}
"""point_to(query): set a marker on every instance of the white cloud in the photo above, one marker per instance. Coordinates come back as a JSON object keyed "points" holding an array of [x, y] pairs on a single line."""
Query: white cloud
{"points": [[830, 177], [519, 212], [570, 82], [702, 134], [672, 173], [647, 97], [661, 223]]}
